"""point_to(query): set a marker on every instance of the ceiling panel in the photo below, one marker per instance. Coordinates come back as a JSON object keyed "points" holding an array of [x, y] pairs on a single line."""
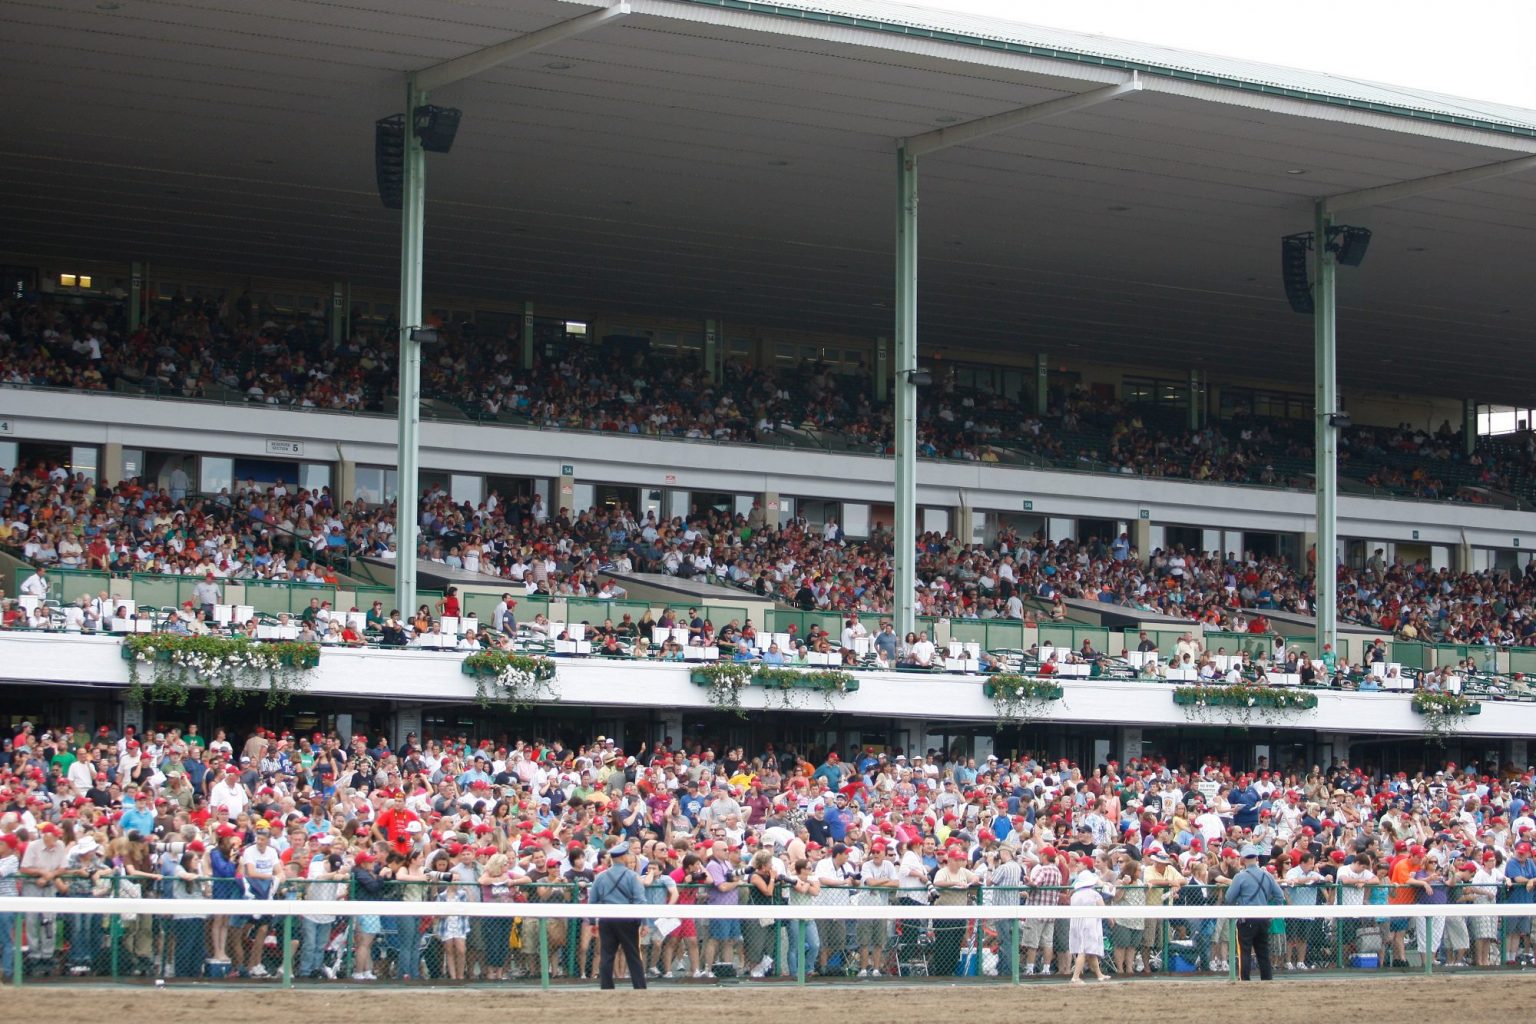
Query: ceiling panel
{"points": [[679, 169]]}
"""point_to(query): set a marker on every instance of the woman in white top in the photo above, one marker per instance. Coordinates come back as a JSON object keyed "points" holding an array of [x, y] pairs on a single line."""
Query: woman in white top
{"points": [[1085, 939]]}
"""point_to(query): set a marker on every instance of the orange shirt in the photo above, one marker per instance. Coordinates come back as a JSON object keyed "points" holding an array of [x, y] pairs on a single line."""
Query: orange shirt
{"points": [[1402, 871]]}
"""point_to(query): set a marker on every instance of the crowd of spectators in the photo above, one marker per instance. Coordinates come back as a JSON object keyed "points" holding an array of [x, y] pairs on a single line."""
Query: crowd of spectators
{"points": [[208, 349], [55, 518], [278, 816]]}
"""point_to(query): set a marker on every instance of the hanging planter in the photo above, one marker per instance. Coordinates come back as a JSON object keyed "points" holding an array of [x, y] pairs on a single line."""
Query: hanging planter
{"points": [[726, 681], [1241, 703], [1017, 698], [226, 669], [511, 681], [1443, 713]]}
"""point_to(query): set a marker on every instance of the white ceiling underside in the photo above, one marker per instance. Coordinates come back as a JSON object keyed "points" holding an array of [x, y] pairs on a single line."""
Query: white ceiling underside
{"points": [[698, 161]]}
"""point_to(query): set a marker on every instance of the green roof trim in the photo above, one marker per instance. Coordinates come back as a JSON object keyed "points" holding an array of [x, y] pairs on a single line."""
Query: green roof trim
{"points": [[1162, 71]]}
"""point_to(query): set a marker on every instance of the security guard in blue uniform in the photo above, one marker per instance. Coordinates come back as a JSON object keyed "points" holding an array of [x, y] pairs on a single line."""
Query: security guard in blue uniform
{"points": [[1254, 887]]}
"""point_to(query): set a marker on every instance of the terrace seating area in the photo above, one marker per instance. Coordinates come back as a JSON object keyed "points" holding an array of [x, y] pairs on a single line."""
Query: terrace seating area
{"points": [[206, 351]]}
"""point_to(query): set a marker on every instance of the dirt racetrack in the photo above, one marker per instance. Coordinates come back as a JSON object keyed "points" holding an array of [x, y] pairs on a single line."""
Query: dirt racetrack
{"points": [[1466, 1000]]}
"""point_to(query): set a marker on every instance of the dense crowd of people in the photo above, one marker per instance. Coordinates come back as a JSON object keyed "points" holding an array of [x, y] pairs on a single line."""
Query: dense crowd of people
{"points": [[202, 349], [52, 517], [274, 819]]}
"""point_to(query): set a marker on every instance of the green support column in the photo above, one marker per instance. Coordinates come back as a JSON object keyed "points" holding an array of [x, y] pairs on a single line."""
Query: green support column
{"points": [[1196, 407], [338, 312], [287, 968], [544, 952], [136, 277], [1326, 441], [905, 511], [1468, 426], [882, 369], [712, 350], [1042, 382], [527, 336], [412, 226]]}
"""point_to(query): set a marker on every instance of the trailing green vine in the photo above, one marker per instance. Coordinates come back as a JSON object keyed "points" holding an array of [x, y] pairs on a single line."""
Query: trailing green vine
{"points": [[511, 682], [227, 669], [1241, 703], [1017, 698], [1443, 712], [726, 680]]}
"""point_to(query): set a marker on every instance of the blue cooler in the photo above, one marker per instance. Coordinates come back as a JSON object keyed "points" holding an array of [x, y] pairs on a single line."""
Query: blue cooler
{"points": [[216, 969]]}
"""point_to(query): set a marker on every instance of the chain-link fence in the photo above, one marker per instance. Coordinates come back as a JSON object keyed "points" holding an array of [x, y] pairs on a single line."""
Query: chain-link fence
{"points": [[536, 932]]}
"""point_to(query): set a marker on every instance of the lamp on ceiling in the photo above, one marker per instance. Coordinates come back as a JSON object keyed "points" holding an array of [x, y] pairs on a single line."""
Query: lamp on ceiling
{"points": [[1348, 245]]}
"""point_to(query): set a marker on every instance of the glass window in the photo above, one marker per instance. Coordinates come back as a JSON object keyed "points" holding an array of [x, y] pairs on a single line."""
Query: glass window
{"points": [[468, 487], [133, 463], [375, 485], [215, 474], [82, 459], [314, 475]]}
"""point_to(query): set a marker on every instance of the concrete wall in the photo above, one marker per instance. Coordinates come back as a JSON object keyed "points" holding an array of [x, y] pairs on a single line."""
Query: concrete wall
{"points": [[29, 659]]}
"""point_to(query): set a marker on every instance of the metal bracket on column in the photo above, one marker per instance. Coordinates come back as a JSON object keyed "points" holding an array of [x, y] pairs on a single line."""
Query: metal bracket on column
{"points": [[1383, 194], [970, 131], [471, 64]]}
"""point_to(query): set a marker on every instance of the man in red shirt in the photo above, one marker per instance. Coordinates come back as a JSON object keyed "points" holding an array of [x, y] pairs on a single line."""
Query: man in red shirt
{"points": [[393, 823]]}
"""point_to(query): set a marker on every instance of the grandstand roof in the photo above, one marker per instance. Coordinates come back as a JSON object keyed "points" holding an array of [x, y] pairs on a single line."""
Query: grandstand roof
{"points": [[731, 158]]}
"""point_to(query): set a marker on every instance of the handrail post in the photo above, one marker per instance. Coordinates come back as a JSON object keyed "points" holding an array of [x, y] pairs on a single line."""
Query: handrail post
{"points": [[544, 952], [288, 951]]}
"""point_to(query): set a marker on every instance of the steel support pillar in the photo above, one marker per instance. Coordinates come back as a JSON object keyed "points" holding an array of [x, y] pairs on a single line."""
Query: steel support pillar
{"points": [[1326, 441], [525, 338], [1468, 427], [905, 511], [1195, 393], [412, 225], [136, 276]]}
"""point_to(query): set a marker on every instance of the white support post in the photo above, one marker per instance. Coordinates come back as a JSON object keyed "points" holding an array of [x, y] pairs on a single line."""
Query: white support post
{"points": [[1326, 434], [905, 511], [408, 416]]}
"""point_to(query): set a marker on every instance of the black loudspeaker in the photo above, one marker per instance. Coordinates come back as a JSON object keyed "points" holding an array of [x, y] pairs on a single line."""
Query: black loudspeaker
{"points": [[1349, 244], [389, 159], [436, 127], [1293, 271]]}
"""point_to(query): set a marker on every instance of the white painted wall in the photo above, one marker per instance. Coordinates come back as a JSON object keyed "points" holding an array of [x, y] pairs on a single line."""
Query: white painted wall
{"points": [[29, 659]]}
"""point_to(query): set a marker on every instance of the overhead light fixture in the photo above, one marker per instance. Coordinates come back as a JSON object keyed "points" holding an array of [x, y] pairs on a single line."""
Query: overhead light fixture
{"points": [[1297, 170], [558, 66], [67, 280], [85, 280]]}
